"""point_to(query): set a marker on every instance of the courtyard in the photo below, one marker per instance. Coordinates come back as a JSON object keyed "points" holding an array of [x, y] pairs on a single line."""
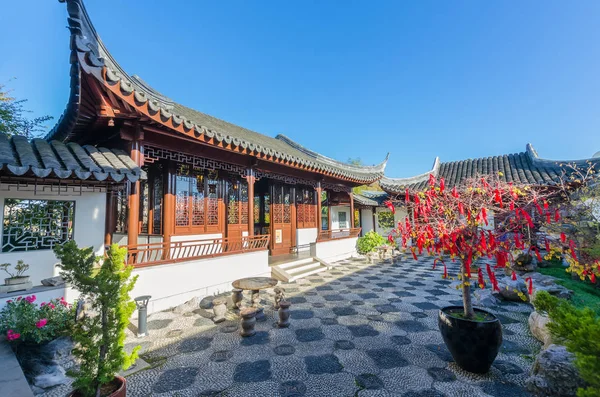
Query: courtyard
{"points": [[359, 329]]}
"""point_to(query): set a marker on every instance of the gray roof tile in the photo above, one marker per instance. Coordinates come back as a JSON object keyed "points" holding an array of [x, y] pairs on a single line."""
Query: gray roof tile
{"points": [[54, 159], [525, 167]]}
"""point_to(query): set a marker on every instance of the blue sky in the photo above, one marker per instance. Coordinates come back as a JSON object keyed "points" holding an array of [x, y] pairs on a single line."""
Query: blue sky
{"points": [[455, 79]]}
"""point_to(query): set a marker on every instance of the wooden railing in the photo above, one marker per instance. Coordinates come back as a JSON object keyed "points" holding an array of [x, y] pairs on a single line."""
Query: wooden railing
{"points": [[325, 235], [141, 255]]}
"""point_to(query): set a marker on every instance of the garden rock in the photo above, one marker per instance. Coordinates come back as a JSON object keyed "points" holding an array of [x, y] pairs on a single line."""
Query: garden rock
{"points": [[45, 365], [188, 306], [512, 290], [53, 281], [486, 298], [553, 373], [538, 325], [524, 263]]}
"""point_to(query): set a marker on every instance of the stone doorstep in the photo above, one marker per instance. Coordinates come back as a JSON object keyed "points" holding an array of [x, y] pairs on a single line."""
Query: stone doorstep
{"points": [[12, 379]]}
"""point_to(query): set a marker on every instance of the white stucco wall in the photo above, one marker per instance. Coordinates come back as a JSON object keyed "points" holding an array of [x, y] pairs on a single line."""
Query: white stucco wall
{"points": [[43, 294], [88, 229], [366, 217], [173, 284], [334, 250], [335, 220], [306, 236]]}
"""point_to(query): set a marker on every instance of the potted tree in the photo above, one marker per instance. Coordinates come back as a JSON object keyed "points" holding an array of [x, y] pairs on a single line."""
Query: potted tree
{"points": [[481, 217], [17, 281], [103, 312]]}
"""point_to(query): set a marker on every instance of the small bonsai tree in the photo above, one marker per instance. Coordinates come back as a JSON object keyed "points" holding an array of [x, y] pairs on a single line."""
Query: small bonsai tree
{"points": [[457, 223], [99, 331], [20, 269]]}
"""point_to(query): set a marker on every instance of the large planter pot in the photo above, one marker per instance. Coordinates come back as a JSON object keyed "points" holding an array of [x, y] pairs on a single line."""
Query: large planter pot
{"points": [[118, 382], [473, 344]]}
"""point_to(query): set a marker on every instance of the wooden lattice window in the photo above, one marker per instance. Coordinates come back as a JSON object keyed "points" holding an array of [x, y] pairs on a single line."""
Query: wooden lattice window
{"points": [[281, 204], [306, 209], [237, 202], [151, 195], [198, 199], [36, 224]]}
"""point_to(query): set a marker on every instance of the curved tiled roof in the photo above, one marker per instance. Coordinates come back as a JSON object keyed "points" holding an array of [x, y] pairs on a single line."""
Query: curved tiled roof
{"points": [[525, 167], [370, 198], [44, 159], [92, 57]]}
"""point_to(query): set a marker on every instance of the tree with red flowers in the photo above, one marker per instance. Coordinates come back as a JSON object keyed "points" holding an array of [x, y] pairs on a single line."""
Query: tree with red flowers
{"points": [[481, 217]]}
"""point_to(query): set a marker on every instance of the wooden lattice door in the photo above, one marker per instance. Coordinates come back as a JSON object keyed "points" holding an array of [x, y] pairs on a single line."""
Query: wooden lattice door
{"points": [[281, 219]]}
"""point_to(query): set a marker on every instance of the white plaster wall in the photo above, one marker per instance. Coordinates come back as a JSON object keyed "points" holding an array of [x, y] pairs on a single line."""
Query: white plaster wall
{"points": [[88, 230], [173, 284], [335, 250], [306, 236], [335, 221], [366, 217]]}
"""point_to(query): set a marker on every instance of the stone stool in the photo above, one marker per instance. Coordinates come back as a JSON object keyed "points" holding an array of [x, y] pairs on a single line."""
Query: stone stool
{"points": [[284, 314], [248, 315], [219, 309], [236, 298], [260, 314], [279, 296]]}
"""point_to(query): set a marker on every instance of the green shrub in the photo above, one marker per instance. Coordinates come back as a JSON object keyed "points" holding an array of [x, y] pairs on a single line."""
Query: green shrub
{"points": [[369, 242], [99, 331], [23, 321], [579, 331]]}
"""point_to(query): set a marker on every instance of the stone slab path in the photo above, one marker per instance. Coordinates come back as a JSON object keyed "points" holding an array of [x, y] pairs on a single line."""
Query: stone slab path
{"points": [[359, 329]]}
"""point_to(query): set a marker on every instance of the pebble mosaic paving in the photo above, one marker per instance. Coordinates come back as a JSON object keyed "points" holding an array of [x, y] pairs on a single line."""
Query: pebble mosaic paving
{"points": [[360, 329]]}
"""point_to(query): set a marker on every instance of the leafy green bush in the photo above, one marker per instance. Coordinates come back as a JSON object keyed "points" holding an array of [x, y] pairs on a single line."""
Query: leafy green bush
{"points": [[579, 330], [369, 242], [99, 331], [24, 321]]}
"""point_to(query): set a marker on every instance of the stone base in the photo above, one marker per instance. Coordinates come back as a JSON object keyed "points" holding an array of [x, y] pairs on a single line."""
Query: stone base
{"points": [[16, 287]]}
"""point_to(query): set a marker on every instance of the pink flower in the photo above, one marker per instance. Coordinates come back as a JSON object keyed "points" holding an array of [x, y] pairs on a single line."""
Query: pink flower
{"points": [[43, 304], [63, 301], [41, 323], [11, 335], [19, 298], [9, 301], [51, 305], [30, 299]]}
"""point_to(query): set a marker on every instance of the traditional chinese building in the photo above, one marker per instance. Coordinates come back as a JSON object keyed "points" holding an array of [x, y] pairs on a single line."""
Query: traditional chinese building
{"points": [[520, 168], [213, 188]]}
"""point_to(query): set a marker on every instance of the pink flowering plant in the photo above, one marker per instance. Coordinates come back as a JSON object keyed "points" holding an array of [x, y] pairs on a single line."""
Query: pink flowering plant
{"points": [[24, 320]]}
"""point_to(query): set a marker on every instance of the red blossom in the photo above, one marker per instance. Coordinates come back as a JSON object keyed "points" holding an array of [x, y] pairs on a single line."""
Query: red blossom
{"points": [[513, 276]]}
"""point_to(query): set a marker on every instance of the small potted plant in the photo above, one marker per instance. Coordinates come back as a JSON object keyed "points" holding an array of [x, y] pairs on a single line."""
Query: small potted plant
{"points": [[17, 281], [103, 313]]}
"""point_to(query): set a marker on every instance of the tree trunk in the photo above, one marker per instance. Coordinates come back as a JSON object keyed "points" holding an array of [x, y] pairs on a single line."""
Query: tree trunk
{"points": [[104, 346], [466, 291]]}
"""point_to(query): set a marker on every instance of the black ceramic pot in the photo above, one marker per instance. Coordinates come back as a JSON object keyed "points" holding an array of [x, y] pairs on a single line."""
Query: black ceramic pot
{"points": [[473, 344]]}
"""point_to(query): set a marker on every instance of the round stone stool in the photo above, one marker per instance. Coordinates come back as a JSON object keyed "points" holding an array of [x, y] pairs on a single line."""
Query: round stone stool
{"points": [[248, 315], [219, 309], [279, 296], [260, 314], [284, 314]]}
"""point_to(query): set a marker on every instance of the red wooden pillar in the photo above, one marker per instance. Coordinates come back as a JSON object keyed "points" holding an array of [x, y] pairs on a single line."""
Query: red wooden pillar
{"points": [[133, 221], [351, 210], [169, 202], [109, 224], [319, 217], [251, 179]]}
